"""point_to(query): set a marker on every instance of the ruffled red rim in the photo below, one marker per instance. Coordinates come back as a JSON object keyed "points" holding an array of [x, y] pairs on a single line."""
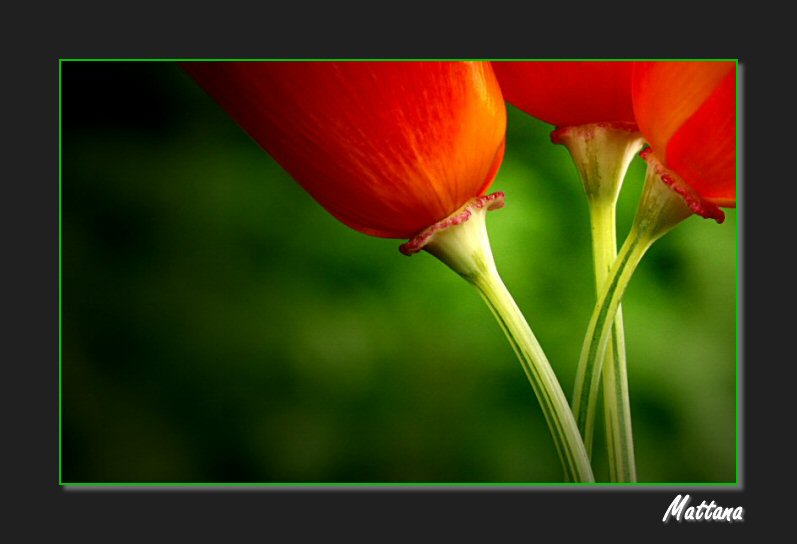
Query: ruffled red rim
{"points": [[696, 203], [492, 201], [558, 136]]}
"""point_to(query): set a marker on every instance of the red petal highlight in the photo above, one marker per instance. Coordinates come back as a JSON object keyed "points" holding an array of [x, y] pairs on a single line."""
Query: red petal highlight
{"points": [[703, 150], [666, 94], [388, 148], [569, 93]]}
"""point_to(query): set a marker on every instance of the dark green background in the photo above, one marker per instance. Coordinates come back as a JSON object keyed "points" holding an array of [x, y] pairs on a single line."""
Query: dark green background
{"points": [[219, 326]]}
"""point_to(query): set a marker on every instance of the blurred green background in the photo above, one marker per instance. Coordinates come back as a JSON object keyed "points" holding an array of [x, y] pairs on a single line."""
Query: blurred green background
{"points": [[219, 326]]}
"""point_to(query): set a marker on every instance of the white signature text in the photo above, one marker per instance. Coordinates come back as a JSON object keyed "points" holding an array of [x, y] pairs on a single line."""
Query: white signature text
{"points": [[680, 510]]}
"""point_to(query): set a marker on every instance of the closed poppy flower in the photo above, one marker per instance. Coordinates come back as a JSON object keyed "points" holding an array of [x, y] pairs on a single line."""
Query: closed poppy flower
{"points": [[565, 93], [589, 102], [388, 148], [687, 113], [399, 150]]}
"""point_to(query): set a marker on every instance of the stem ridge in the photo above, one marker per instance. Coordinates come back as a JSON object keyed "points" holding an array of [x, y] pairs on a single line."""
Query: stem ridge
{"points": [[465, 248]]}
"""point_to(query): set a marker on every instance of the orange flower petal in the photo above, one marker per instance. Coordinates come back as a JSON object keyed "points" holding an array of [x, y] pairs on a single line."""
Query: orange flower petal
{"points": [[666, 94], [388, 148], [703, 150], [569, 93]]}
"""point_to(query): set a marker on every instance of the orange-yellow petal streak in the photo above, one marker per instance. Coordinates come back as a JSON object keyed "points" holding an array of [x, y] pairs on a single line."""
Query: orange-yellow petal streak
{"points": [[666, 94], [389, 148]]}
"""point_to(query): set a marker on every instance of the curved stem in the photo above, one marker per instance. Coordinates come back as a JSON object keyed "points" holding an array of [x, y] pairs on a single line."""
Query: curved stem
{"points": [[590, 366], [617, 406], [660, 210], [602, 153], [539, 372], [461, 242]]}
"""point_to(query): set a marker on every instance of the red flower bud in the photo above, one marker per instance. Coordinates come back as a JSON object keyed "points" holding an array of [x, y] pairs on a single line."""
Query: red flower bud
{"points": [[687, 113], [569, 93], [388, 148]]}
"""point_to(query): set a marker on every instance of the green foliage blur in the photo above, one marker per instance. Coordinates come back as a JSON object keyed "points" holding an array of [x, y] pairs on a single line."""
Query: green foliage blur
{"points": [[219, 326]]}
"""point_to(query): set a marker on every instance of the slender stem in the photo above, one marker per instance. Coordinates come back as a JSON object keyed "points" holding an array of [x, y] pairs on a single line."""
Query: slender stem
{"points": [[539, 372], [463, 245], [617, 406], [588, 375], [603, 153], [660, 210]]}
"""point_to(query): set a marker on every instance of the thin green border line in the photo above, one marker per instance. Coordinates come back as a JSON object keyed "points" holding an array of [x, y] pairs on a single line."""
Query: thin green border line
{"points": [[739, 215], [657, 485], [60, 285], [331, 59]]}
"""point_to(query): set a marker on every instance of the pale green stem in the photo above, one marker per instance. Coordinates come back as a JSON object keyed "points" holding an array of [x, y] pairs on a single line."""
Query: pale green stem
{"points": [[603, 153], [616, 402], [660, 210], [465, 248], [539, 372]]}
